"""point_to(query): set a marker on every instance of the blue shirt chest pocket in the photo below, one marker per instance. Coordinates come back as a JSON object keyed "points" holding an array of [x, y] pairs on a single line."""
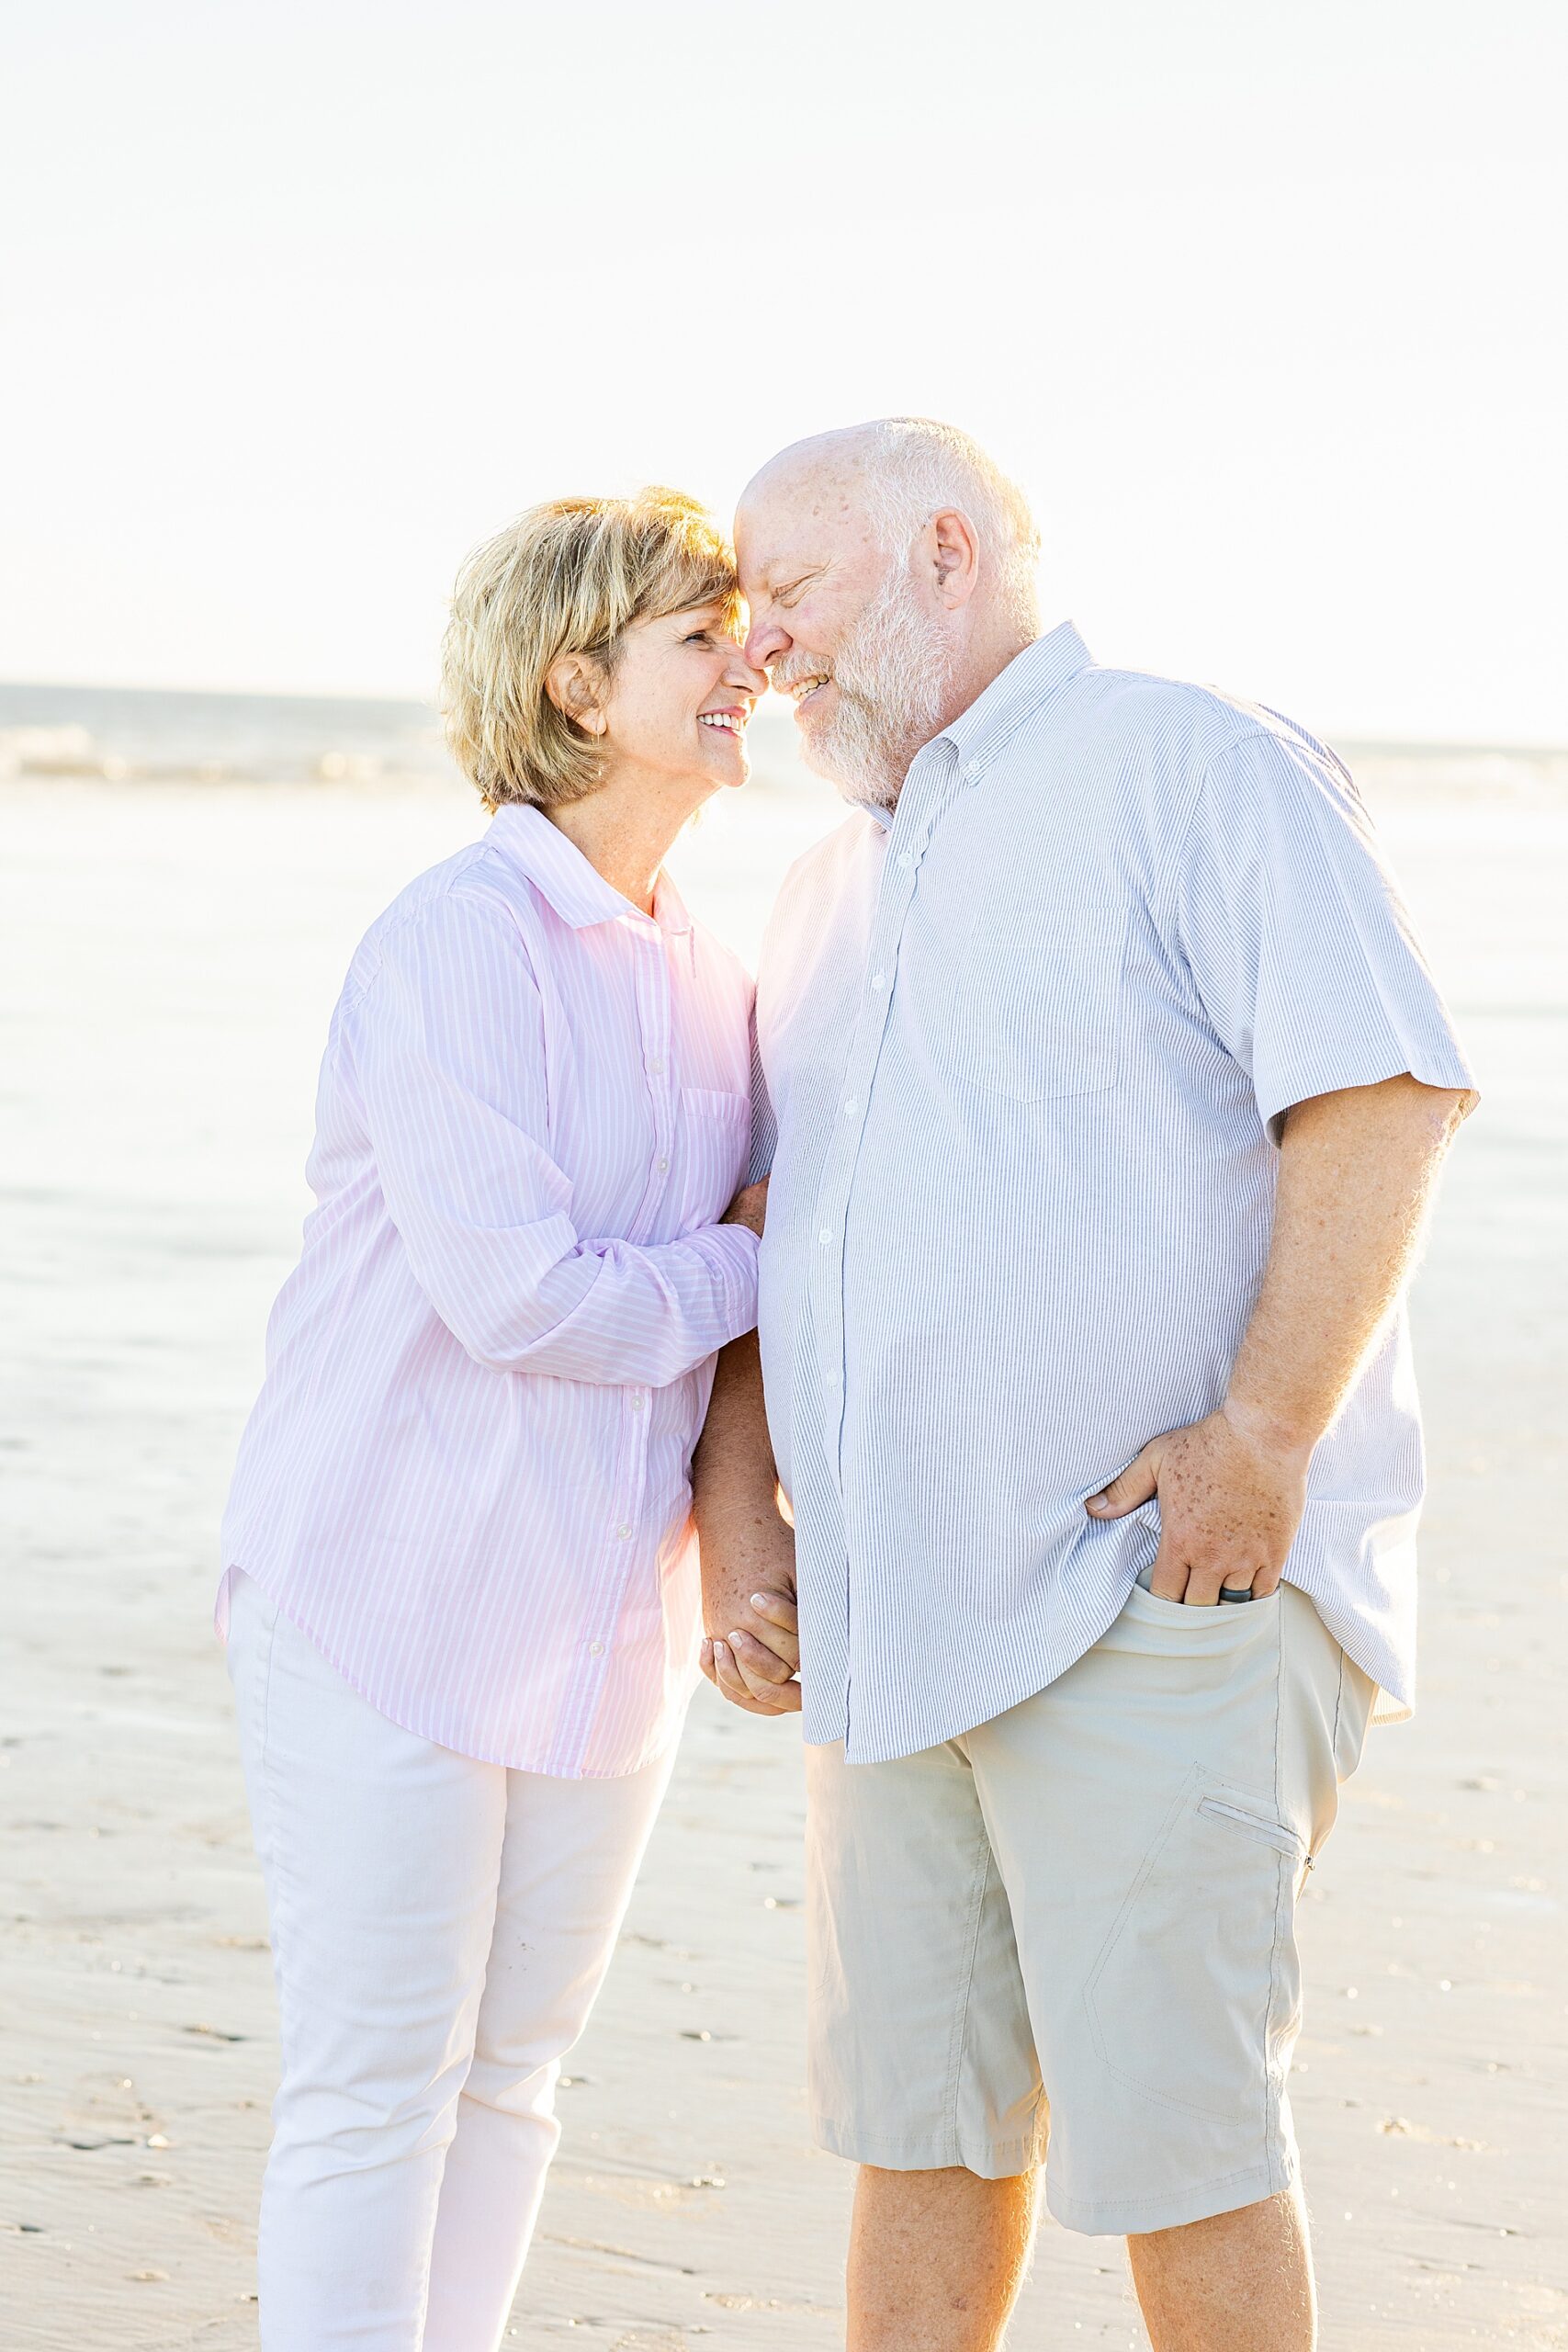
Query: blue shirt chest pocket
{"points": [[1037, 1001]]}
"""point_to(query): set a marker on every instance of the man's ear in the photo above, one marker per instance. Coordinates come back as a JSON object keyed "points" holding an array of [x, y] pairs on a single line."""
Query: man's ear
{"points": [[953, 547], [576, 685]]}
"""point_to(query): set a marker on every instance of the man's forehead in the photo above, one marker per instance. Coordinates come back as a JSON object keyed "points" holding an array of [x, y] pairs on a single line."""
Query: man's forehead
{"points": [[813, 510]]}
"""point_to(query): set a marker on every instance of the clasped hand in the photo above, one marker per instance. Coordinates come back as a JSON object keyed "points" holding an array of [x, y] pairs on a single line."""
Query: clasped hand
{"points": [[756, 1670]]}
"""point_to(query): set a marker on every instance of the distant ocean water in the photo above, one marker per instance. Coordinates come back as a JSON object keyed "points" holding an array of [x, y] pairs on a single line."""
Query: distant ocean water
{"points": [[129, 735]]}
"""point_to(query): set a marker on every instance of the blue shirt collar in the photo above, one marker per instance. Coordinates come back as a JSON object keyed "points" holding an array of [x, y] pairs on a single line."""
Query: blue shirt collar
{"points": [[1029, 678]]}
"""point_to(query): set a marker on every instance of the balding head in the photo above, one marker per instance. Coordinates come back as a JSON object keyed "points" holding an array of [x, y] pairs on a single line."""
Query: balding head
{"points": [[896, 473], [894, 562]]}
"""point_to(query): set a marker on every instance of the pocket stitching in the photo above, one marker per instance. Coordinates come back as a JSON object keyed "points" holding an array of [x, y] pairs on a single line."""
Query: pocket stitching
{"points": [[1196, 1779], [713, 1103], [1275, 1834], [1106, 1037], [1162, 1839]]}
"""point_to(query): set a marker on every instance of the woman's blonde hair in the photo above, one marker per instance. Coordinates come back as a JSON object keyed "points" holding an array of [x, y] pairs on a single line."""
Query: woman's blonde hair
{"points": [[567, 577]]}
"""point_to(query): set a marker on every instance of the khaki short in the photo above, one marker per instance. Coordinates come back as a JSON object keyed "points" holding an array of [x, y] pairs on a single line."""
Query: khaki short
{"points": [[1084, 1910]]}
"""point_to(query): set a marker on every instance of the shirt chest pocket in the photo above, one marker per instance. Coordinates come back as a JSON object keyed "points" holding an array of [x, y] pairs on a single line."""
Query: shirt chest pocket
{"points": [[1037, 1001], [713, 1144]]}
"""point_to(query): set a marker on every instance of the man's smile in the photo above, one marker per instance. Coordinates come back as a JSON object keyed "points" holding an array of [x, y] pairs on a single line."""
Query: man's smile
{"points": [[802, 688]]}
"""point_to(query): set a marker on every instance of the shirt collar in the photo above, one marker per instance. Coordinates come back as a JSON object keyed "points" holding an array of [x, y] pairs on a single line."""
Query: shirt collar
{"points": [[559, 871], [1030, 677], [979, 732]]}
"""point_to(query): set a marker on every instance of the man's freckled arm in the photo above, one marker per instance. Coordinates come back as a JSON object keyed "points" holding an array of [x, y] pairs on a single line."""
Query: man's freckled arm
{"points": [[1357, 1174], [746, 1545], [1358, 1170]]}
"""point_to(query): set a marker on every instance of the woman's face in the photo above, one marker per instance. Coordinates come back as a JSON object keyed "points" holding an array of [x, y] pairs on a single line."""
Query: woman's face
{"points": [[679, 700]]}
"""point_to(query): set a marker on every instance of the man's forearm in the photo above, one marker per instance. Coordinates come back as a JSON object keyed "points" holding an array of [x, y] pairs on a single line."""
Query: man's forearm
{"points": [[1357, 1173], [745, 1543]]}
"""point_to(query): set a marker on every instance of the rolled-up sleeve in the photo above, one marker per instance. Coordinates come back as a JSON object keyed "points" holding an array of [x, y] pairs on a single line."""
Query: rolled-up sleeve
{"points": [[448, 1043], [1299, 948]]}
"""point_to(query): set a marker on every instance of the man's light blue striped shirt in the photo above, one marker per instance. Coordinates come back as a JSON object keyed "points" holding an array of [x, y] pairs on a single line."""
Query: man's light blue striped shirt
{"points": [[1026, 1047]]}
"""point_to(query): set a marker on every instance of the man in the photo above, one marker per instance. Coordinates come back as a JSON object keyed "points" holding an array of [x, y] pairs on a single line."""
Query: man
{"points": [[1109, 1089]]}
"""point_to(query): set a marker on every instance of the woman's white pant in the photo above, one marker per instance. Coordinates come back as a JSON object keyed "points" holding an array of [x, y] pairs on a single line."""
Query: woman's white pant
{"points": [[440, 1927]]}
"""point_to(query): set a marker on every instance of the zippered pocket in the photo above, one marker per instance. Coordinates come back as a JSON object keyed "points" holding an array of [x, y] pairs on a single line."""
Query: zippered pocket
{"points": [[1257, 1825]]}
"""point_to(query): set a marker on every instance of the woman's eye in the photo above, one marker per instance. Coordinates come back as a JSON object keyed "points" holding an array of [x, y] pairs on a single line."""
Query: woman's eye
{"points": [[700, 637]]}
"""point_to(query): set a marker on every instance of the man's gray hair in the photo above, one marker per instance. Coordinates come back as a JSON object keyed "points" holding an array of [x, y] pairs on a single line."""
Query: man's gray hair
{"points": [[915, 467]]}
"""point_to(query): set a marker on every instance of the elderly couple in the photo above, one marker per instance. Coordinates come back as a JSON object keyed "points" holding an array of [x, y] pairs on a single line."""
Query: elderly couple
{"points": [[1100, 1087]]}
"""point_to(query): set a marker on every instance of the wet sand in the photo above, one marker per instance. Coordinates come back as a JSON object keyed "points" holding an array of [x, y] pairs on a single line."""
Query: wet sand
{"points": [[168, 956]]}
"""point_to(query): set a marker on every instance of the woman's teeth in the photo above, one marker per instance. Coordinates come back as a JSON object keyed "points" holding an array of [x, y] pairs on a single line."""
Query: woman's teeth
{"points": [[729, 720]]}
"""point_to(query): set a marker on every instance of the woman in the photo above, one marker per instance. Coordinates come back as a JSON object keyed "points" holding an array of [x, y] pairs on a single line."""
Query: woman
{"points": [[458, 1597]]}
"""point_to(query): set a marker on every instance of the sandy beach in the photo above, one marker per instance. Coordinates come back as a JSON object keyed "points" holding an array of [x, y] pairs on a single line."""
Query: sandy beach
{"points": [[169, 953]]}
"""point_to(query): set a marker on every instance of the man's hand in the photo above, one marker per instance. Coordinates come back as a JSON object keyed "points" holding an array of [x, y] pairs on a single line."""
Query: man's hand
{"points": [[750, 1208], [752, 1652], [1357, 1169], [756, 1673], [1231, 1498]]}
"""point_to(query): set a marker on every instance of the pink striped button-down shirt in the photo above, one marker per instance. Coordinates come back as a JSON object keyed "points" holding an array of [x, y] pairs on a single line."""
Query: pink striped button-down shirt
{"points": [[466, 1476]]}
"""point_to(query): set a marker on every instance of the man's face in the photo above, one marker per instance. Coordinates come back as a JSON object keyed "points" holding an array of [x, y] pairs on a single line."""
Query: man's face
{"points": [[840, 625]]}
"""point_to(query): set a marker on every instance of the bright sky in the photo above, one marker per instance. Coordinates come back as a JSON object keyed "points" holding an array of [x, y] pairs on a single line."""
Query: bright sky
{"points": [[1263, 300]]}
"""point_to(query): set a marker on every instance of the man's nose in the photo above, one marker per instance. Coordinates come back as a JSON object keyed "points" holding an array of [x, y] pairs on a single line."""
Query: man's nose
{"points": [[764, 642], [744, 673]]}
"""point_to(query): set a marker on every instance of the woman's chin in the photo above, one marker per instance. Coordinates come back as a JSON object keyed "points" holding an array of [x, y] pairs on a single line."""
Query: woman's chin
{"points": [[731, 767]]}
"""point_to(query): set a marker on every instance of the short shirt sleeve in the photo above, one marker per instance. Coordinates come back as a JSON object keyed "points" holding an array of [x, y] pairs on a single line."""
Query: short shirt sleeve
{"points": [[764, 1125], [1299, 946]]}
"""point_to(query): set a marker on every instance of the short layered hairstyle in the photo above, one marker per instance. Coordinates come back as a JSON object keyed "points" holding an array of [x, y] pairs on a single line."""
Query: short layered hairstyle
{"points": [[568, 577]]}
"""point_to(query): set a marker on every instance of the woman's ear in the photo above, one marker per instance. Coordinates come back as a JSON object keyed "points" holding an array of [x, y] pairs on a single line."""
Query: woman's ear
{"points": [[575, 686]]}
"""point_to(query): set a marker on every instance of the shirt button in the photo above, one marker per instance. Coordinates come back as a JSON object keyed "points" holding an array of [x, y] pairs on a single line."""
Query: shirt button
{"points": [[905, 860], [825, 1236], [972, 770], [595, 1649], [622, 1532], [879, 981], [662, 1166], [657, 1067], [636, 1404], [850, 1107]]}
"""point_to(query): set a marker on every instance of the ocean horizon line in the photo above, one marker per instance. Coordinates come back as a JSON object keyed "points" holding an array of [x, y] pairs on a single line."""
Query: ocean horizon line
{"points": [[422, 713]]}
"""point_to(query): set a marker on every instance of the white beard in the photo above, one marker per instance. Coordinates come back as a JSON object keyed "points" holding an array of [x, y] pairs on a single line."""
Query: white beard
{"points": [[892, 679]]}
